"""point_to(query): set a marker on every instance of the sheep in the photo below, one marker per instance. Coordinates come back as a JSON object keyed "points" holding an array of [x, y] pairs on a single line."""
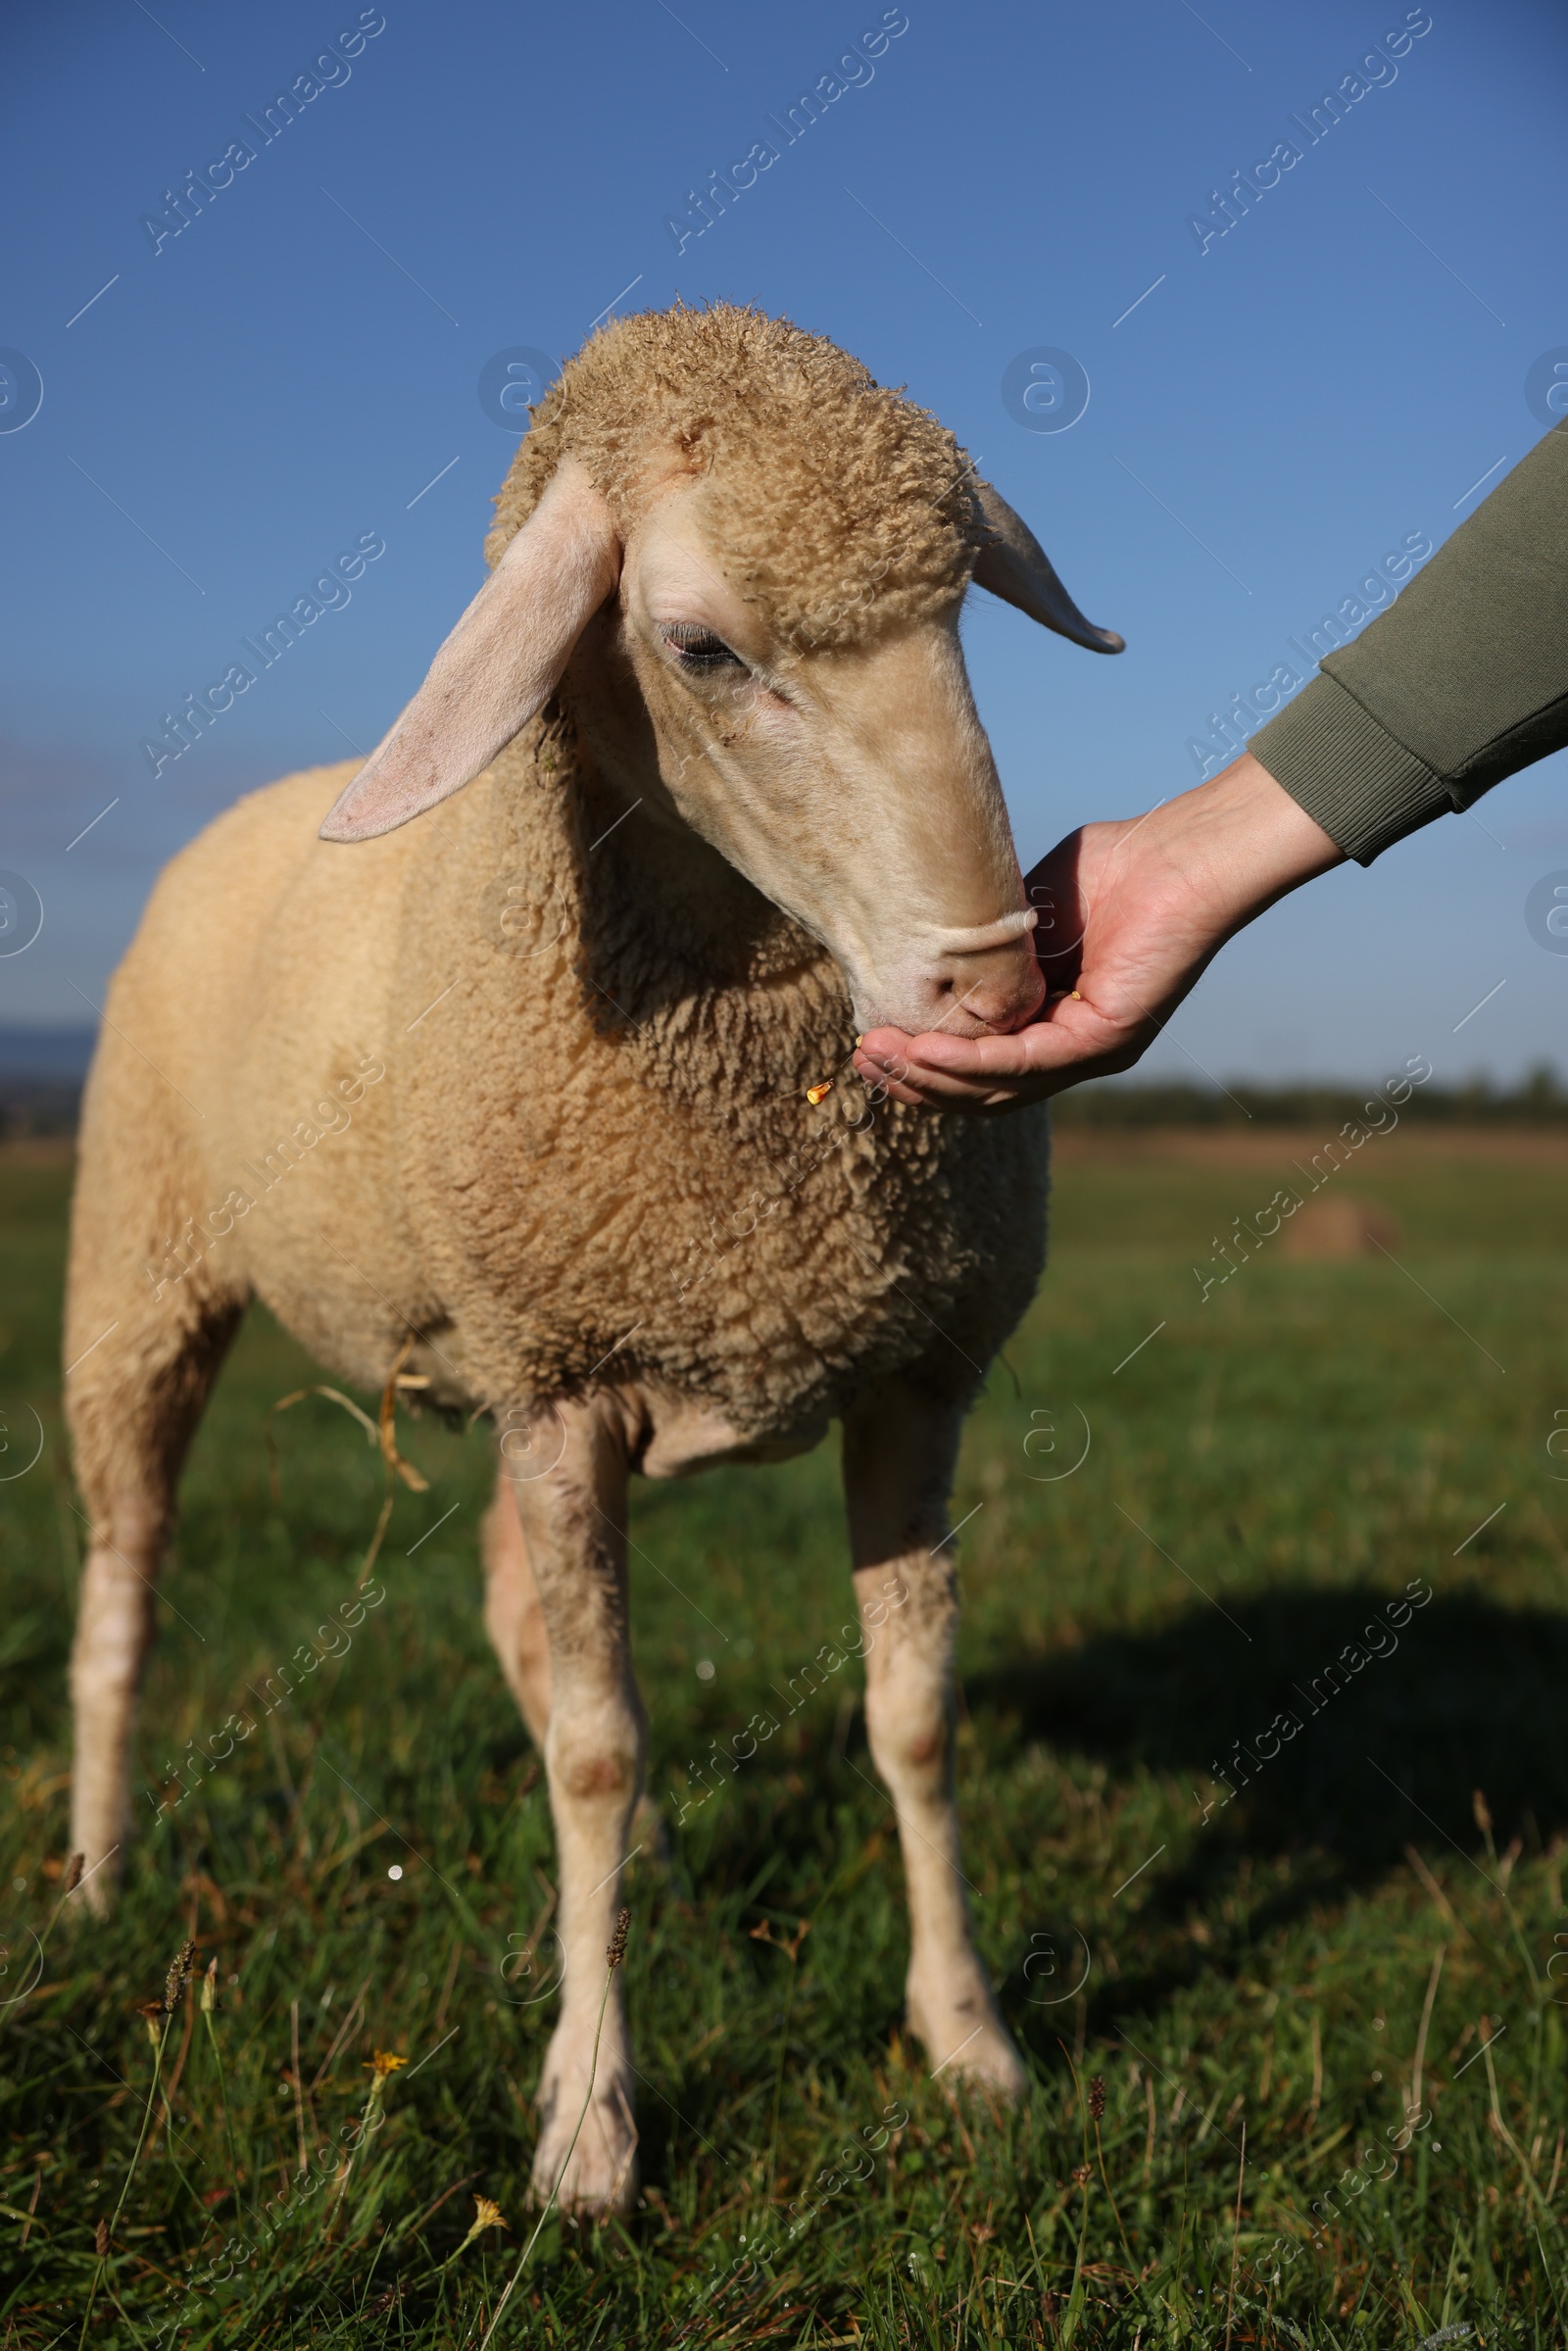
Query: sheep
{"points": [[728, 802]]}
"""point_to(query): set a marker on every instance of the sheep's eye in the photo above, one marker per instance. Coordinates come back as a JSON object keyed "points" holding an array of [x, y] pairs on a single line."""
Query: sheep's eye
{"points": [[697, 648]]}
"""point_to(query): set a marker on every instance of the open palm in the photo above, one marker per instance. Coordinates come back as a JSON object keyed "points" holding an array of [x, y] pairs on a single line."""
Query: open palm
{"points": [[1130, 916]]}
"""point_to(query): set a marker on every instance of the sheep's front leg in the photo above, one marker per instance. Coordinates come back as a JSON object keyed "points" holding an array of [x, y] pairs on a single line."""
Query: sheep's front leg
{"points": [[899, 1455], [573, 1518], [512, 1616]]}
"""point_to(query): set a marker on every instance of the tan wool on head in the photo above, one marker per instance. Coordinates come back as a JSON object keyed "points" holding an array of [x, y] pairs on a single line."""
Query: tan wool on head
{"points": [[843, 508]]}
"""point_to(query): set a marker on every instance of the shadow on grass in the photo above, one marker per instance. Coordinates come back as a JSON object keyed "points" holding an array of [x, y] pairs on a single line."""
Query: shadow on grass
{"points": [[1471, 1695], [1473, 1698]]}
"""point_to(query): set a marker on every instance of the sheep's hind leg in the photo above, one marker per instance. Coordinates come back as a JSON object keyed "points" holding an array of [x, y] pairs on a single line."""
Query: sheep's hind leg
{"points": [[898, 1454], [132, 1406], [573, 1519]]}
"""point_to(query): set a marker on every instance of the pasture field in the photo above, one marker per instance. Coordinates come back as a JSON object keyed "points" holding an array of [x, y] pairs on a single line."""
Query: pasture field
{"points": [[1298, 2054]]}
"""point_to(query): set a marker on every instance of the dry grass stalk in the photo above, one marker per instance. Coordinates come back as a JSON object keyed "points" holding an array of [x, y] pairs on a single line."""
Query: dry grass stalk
{"points": [[614, 1957]]}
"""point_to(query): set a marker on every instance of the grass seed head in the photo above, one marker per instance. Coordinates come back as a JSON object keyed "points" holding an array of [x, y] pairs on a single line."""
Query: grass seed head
{"points": [[617, 1941], [209, 1987], [174, 1980], [74, 1869], [1097, 2097], [100, 2240], [154, 2016]]}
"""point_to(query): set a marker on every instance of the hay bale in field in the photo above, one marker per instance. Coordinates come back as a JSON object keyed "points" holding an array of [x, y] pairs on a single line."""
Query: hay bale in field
{"points": [[1342, 1225]]}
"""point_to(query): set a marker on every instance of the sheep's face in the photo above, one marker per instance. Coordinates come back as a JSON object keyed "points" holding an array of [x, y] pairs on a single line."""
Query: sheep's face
{"points": [[843, 770], [854, 786]]}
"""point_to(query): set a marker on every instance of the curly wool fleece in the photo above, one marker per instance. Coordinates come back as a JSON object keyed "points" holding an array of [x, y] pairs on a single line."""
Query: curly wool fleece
{"points": [[842, 508], [591, 1158]]}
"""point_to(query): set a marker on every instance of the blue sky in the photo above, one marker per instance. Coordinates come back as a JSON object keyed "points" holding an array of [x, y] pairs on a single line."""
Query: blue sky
{"points": [[300, 367]]}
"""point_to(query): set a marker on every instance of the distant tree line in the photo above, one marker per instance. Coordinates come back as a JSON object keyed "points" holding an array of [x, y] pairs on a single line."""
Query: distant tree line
{"points": [[1540, 1100], [48, 1105], [32, 1105]]}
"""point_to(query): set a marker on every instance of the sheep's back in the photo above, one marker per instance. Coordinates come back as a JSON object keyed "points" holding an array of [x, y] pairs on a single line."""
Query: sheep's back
{"points": [[233, 1075]]}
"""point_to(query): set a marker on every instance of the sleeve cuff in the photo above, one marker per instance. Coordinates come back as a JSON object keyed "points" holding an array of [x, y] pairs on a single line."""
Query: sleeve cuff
{"points": [[1350, 775]]}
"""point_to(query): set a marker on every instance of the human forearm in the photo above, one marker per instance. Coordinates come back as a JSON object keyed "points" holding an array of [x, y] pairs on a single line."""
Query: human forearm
{"points": [[1237, 843], [1464, 681]]}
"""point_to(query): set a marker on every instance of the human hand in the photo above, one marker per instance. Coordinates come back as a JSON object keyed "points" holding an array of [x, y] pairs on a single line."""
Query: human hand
{"points": [[1131, 913]]}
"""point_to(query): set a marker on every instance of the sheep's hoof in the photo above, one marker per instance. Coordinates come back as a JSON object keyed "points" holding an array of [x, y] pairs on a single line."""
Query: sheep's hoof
{"points": [[598, 2174], [967, 2040]]}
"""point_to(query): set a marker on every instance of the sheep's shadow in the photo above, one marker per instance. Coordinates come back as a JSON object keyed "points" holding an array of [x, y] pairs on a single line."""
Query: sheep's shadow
{"points": [[1473, 1698]]}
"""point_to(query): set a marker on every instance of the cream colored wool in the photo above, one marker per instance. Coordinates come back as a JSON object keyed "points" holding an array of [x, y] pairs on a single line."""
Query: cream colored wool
{"points": [[521, 1085], [573, 1141], [848, 511]]}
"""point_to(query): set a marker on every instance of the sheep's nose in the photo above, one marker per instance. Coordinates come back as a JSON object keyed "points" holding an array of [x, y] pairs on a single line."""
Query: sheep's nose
{"points": [[999, 988]]}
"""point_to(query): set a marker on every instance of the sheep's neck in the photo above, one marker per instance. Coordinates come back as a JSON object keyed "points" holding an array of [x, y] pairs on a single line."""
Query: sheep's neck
{"points": [[724, 999]]}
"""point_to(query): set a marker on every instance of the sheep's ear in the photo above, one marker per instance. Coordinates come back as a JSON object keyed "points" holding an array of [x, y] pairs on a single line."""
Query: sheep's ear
{"points": [[1016, 568], [500, 665]]}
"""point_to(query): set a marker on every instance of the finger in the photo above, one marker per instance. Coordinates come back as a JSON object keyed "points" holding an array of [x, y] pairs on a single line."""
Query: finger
{"points": [[1004, 1058], [1073, 1032], [991, 1091], [994, 1074], [906, 1087], [929, 1090], [894, 1055]]}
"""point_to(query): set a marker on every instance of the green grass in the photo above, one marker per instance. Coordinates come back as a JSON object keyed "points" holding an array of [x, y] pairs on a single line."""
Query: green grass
{"points": [[1265, 1473]]}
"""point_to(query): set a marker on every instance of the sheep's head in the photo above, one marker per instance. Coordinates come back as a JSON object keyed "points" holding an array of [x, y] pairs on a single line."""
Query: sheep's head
{"points": [[773, 550]]}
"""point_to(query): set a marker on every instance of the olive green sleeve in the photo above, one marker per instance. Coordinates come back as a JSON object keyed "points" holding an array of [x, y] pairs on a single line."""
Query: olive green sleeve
{"points": [[1461, 682]]}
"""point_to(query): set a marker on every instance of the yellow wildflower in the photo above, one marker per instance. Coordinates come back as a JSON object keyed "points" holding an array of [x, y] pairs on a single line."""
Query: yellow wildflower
{"points": [[486, 2215]]}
